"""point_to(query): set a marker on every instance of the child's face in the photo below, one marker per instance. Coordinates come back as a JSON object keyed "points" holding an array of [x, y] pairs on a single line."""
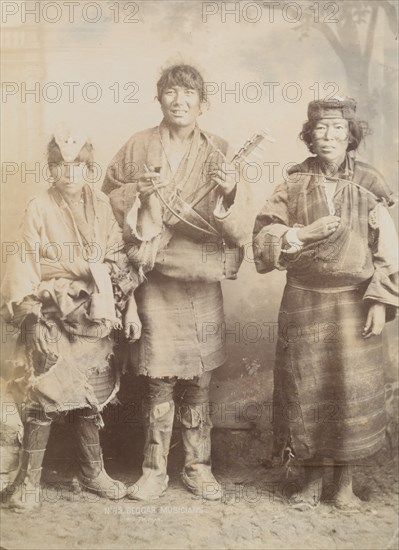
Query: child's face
{"points": [[69, 177]]}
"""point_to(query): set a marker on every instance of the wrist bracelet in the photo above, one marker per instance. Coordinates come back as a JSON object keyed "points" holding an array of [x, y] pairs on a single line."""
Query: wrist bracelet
{"points": [[292, 239]]}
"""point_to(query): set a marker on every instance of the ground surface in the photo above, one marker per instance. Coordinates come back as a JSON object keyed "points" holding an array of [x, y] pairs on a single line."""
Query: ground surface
{"points": [[252, 515]]}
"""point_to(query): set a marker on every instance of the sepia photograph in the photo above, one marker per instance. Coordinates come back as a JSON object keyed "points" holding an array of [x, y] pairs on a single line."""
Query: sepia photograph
{"points": [[199, 275]]}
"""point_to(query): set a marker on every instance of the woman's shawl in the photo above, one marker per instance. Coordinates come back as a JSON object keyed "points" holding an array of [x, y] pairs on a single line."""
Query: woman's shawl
{"points": [[359, 250]]}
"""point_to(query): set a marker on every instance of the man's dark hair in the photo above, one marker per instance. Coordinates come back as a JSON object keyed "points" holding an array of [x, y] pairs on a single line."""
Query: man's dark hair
{"points": [[181, 75]]}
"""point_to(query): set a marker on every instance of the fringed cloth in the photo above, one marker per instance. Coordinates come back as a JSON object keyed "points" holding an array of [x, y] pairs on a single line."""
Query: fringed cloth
{"points": [[182, 327], [71, 290]]}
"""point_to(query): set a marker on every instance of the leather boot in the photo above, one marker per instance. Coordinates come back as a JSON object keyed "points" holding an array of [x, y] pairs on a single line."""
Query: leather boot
{"points": [[93, 476], [196, 432], [25, 490], [158, 426]]}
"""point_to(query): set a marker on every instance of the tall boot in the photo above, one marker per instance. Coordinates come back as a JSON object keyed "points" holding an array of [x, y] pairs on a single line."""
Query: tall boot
{"points": [[25, 490], [196, 432], [93, 476], [158, 426]]}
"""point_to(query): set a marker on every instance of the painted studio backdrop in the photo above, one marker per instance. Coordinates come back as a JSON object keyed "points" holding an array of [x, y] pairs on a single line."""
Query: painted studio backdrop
{"points": [[95, 64]]}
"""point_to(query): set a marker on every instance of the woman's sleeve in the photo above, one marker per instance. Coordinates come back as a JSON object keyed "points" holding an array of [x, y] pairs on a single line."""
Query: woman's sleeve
{"points": [[384, 286], [271, 224]]}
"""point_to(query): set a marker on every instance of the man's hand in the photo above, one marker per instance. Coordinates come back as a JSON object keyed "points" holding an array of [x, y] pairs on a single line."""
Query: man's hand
{"points": [[319, 229], [225, 178], [375, 320], [145, 184], [132, 324]]}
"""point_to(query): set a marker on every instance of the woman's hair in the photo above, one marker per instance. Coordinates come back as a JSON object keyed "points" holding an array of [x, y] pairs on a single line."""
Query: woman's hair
{"points": [[54, 155], [181, 75], [358, 129]]}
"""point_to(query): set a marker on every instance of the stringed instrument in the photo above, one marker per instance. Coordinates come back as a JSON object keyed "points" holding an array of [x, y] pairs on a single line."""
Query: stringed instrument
{"points": [[183, 216]]}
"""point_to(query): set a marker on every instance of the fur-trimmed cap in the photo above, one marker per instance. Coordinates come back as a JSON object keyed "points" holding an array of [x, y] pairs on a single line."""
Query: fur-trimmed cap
{"points": [[332, 108], [69, 140]]}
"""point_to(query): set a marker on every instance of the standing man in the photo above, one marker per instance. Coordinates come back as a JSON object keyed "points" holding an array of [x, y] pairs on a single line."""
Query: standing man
{"points": [[185, 255]]}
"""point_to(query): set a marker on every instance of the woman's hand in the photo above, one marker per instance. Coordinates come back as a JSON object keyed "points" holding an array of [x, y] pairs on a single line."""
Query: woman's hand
{"points": [[132, 325], [145, 184], [320, 229], [225, 178], [375, 321]]}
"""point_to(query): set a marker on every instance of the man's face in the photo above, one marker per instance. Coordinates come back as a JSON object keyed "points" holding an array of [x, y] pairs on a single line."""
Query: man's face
{"points": [[180, 106], [330, 138]]}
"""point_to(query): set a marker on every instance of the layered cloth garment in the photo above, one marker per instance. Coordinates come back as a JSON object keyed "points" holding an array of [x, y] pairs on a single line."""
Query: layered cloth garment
{"points": [[180, 304], [69, 279], [328, 380]]}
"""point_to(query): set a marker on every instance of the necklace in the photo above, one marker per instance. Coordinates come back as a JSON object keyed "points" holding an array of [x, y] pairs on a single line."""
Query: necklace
{"points": [[330, 191]]}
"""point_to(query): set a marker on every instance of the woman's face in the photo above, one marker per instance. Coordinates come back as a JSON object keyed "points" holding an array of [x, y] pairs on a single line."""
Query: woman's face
{"points": [[180, 106], [69, 178], [330, 139]]}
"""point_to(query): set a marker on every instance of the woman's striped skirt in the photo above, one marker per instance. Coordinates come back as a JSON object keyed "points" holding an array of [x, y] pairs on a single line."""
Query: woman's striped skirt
{"points": [[328, 380]]}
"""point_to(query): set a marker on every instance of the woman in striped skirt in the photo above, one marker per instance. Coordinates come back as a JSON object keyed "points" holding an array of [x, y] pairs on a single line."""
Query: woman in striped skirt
{"points": [[328, 226]]}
